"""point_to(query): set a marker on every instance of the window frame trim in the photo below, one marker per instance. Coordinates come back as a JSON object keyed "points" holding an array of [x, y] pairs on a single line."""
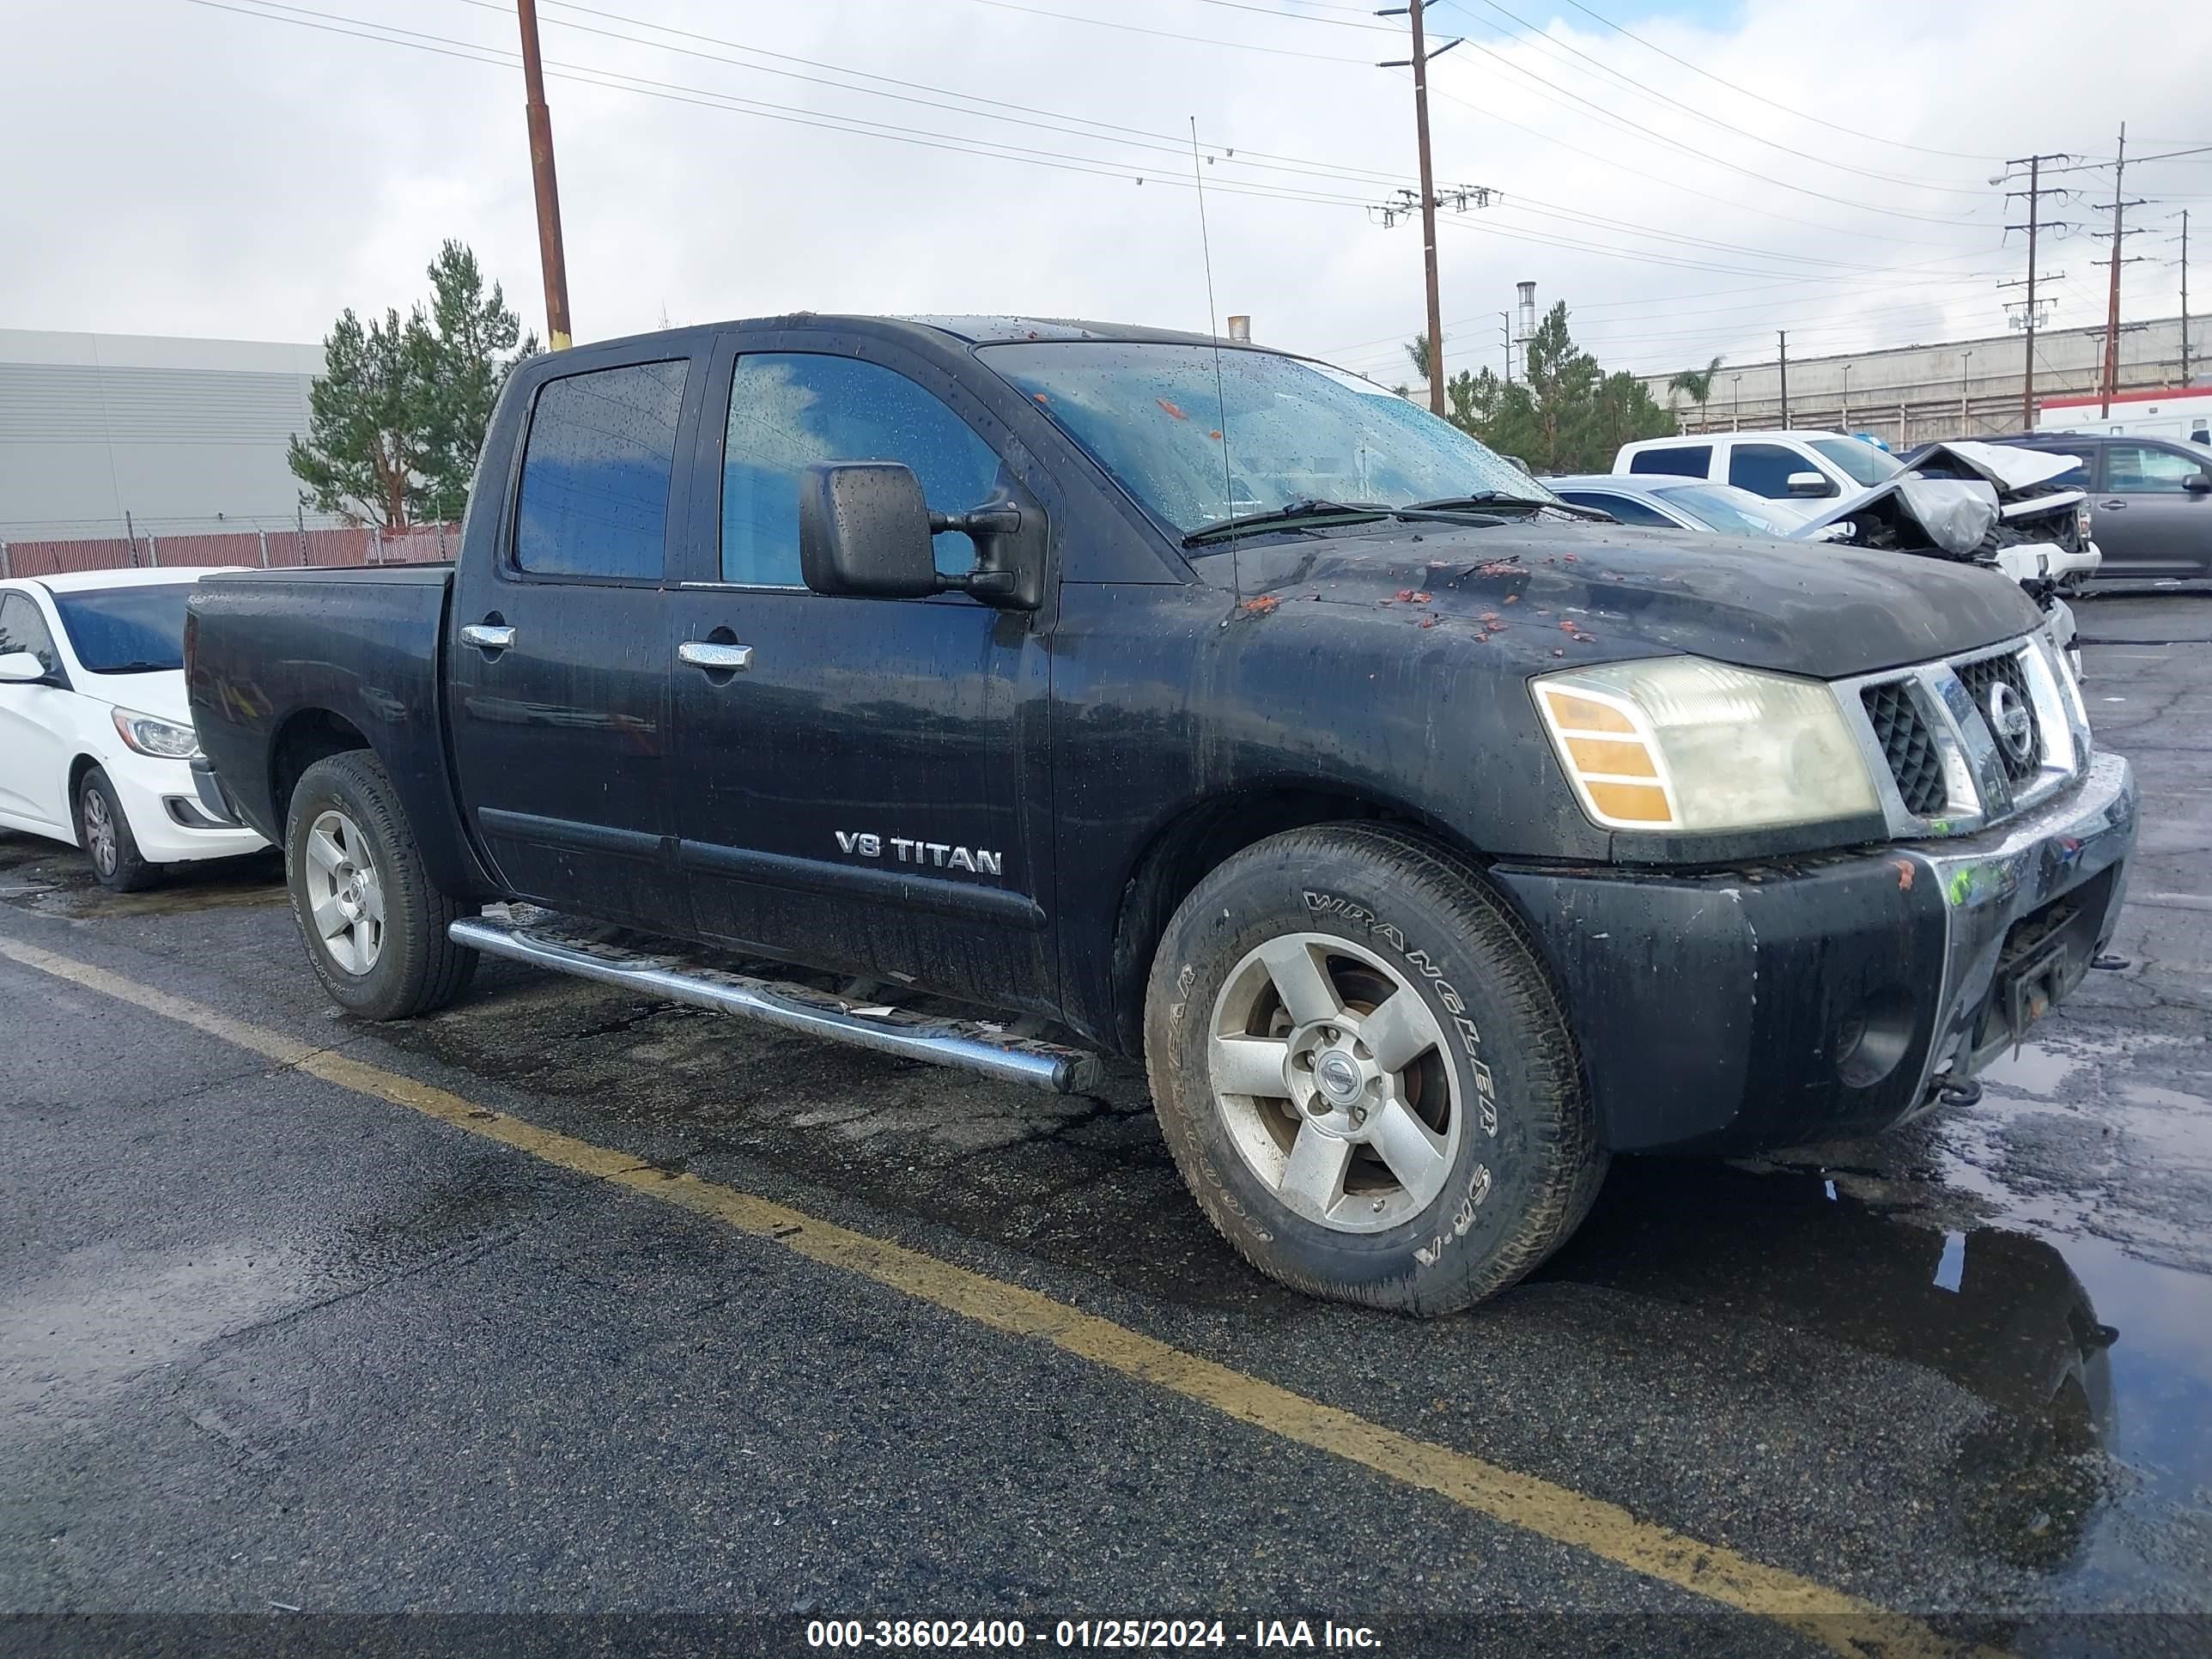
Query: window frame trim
{"points": [[699, 567], [507, 566]]}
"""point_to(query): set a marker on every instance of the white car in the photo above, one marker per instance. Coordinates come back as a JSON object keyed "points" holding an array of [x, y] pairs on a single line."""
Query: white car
{"points": [[96, 740]]}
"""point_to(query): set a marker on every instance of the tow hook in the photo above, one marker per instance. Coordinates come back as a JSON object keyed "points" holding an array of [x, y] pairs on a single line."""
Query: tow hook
{"points": [[2110, 963], [1963, 1092]]}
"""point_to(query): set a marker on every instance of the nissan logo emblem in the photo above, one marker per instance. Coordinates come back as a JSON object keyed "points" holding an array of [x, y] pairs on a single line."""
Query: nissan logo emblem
{"points": [[2009, 719]]}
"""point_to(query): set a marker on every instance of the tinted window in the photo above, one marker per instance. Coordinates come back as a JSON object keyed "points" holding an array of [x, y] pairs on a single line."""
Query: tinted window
{"points": [[22, 628], [2140, 470], [126, 630], [791, 411], [1683, 461], [1626, 508], [596, 471], [1765, 470]]}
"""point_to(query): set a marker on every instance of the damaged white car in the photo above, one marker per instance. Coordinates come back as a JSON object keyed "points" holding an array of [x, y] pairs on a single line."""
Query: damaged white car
{"points": [[1979, 504]]}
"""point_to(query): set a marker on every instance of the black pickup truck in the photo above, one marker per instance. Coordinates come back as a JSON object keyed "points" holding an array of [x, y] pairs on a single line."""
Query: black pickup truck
{"points": [[1010, 694]]}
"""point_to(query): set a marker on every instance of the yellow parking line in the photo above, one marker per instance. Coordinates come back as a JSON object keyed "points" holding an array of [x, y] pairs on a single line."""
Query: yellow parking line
{"points": [[1839, 1620]]}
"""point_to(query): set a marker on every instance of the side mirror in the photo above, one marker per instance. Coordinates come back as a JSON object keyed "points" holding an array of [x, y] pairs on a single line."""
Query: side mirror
{"points": [[2197, 483], [865, 530], [21, 668], [1810, 483]]}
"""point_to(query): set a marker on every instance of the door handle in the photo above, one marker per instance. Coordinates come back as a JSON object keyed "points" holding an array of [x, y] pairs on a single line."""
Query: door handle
{"points": [[722, 659], [487, 636], [2111, 507]]}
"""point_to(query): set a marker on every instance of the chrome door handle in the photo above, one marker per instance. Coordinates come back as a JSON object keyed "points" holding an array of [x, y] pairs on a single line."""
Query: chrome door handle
{"points": [[487, 636], [727, 658], [2110, 507]]}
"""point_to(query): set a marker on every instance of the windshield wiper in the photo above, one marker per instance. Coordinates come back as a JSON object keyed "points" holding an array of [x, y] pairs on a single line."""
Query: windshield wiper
{"points": [[1289, 512], [1296, 513], [1488, 500], [140, 668]]}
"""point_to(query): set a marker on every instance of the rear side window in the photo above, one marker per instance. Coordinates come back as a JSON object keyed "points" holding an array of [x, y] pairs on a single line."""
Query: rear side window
{"points": [[1626, 508], [1681, 461], [596, 472], [1765, 470]]}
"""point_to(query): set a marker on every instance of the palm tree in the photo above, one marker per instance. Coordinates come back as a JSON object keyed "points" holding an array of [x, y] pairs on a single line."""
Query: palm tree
{"points": [[1417, 349], [1697, 384]]}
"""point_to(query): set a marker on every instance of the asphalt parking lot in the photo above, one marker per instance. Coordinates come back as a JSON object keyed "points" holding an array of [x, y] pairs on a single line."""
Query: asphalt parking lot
{"points": [[566, 1301]]}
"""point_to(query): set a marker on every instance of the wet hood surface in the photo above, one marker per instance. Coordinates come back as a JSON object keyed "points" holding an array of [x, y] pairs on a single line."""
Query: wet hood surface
{"points": [[1606, 593]]}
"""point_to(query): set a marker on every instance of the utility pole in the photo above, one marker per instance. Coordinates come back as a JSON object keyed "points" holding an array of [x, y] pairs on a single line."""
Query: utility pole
{"points": [[543, 181], [2028, 317], [1783, 359], [2120, 204], [1419, 64], [2185, 296], [1506, 325]]}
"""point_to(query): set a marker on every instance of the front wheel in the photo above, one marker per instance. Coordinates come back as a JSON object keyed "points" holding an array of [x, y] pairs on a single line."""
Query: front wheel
{"points": [[374, 926], [1363, 1074], [105, 834]]}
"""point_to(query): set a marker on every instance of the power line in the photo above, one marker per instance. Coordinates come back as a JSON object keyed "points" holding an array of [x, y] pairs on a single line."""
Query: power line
{"points": [[1168, 34], [1652, 133], [1138, 137], [1676, 185], [620, 81], [1871, 138], [1536, 36]]}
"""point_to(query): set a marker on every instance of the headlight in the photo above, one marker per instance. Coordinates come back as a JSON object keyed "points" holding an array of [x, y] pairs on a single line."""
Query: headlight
{"points": [[1682, 745], [164, 738]]}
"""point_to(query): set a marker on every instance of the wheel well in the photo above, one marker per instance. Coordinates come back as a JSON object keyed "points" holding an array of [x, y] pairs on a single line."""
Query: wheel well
{"points": [[78, 768], [307, 737], [1184, 854]]}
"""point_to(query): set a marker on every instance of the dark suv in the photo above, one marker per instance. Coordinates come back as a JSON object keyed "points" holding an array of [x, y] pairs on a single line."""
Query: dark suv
{"points": [[2151, 498]]}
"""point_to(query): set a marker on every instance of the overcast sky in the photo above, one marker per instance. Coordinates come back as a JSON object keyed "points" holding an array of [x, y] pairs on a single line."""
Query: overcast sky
{"points": [[178, 167]]}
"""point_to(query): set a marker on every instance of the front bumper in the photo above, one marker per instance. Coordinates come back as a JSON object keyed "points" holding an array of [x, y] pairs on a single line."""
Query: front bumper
{"points": [[171, 817], [1766, 1005]]}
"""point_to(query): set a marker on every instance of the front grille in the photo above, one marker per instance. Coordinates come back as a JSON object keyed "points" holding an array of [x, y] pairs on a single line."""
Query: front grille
{"points": [[1977, 677], [1909, 747]]}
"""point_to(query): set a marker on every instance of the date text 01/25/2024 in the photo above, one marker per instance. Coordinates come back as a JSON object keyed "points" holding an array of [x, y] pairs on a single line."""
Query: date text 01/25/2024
{"points": [[894, 1634]]}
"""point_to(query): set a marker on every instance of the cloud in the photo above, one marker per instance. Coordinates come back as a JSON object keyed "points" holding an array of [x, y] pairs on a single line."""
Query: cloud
{"points": [[185, 169]]}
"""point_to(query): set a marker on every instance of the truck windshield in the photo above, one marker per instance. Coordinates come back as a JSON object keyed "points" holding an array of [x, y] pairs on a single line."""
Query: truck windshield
{"points": [[126, 630], [1273, 430]]}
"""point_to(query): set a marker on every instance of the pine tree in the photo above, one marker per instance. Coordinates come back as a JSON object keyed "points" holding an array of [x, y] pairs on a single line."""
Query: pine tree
{"points": [[397, 420]]}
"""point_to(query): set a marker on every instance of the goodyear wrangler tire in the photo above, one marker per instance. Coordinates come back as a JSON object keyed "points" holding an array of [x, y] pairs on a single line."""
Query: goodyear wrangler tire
{"points": [[1364, 1073]]}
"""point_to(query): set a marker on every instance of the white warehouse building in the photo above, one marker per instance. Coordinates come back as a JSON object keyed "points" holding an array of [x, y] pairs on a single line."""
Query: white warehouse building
{"points": [[182, 437]]}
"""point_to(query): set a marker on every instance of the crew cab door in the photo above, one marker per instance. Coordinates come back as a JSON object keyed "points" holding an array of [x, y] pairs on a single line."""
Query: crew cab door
{"points": [[556, 672], [869, 791]]}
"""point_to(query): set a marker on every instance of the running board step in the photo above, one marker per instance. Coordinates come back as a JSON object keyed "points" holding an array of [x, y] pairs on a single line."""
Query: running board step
{"points": [[656, 967]]}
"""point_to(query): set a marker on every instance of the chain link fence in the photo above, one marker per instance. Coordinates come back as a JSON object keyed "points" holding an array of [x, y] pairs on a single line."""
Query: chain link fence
{"points": [[271, 550]]}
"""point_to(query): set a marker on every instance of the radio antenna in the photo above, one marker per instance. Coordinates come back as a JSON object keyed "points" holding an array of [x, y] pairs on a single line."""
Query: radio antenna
{"points": [[1213, 328]]}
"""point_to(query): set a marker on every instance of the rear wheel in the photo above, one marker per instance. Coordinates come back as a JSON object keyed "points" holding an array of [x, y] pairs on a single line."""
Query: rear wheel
{"points": [[1363, 1074], [105, 834], [374, 926]]}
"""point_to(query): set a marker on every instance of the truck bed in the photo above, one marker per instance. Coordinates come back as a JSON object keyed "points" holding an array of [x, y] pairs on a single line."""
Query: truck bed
{"points": [[277, 663]]}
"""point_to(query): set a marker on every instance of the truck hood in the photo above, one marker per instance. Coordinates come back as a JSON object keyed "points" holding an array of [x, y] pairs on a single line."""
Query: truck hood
{"points": [[1546, 593]]}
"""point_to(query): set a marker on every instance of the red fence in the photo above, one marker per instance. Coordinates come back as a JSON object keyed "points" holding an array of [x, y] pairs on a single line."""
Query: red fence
{"points": [[274, 549]]}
